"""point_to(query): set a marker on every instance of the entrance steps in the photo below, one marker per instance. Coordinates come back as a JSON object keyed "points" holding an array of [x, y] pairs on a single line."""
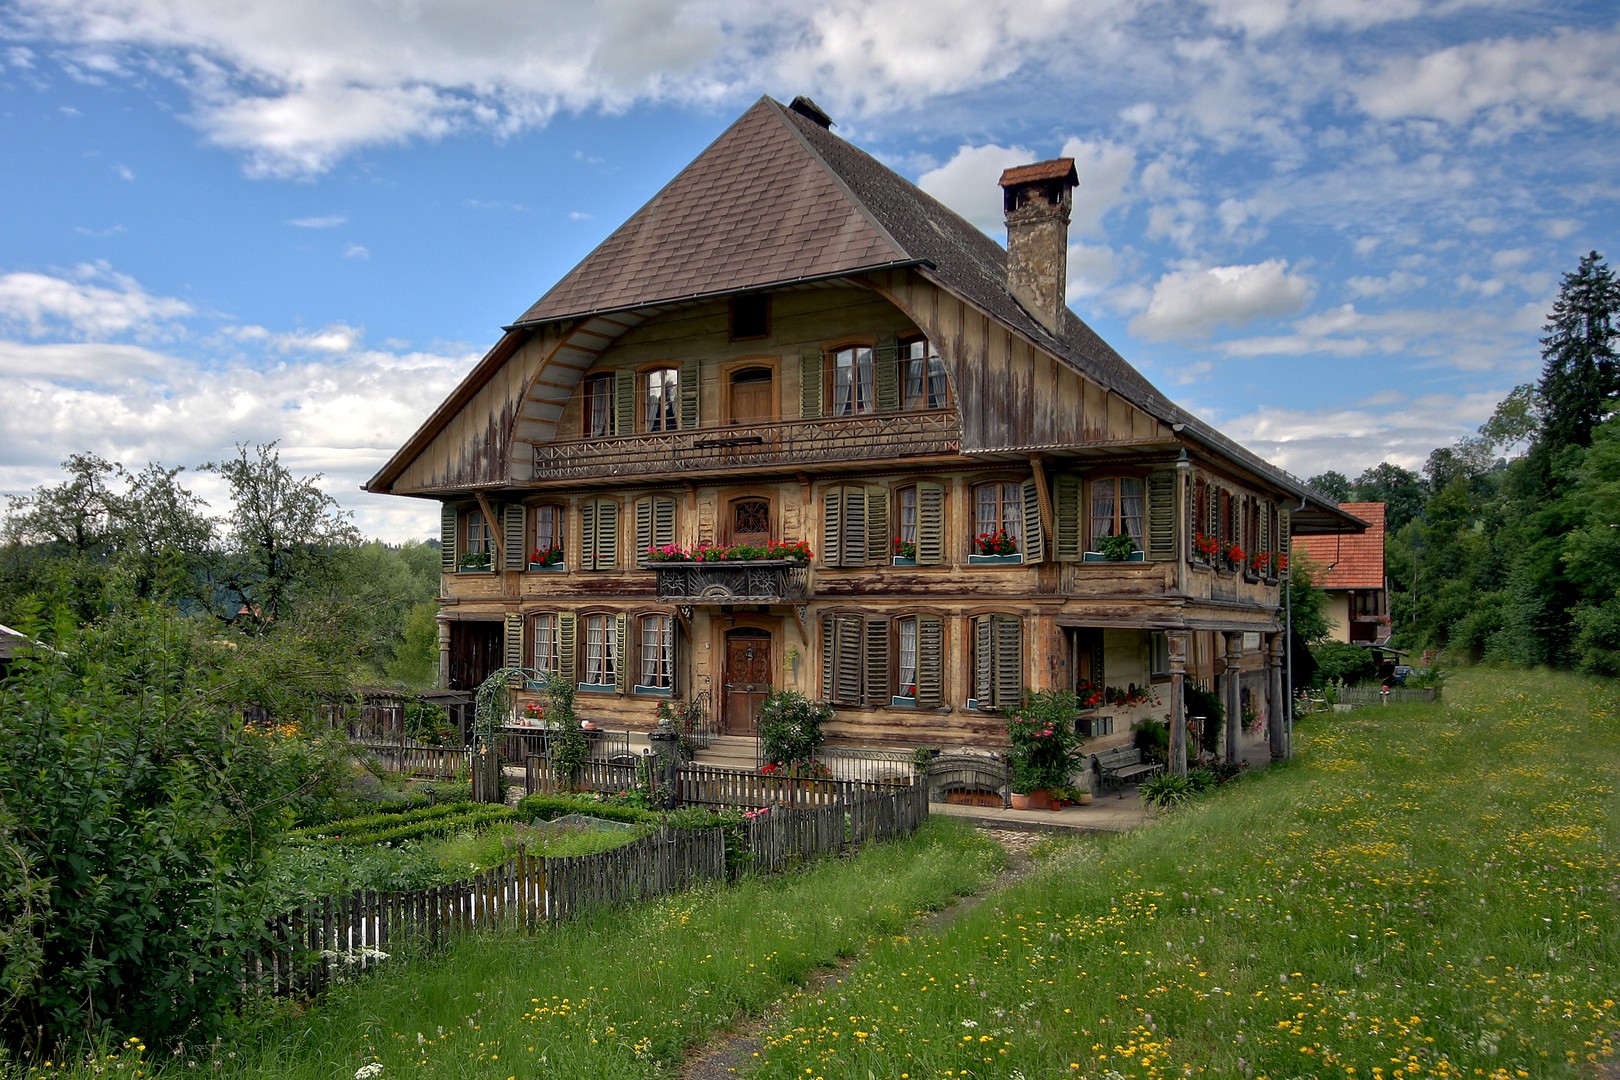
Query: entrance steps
{"points": [[729, 752]]}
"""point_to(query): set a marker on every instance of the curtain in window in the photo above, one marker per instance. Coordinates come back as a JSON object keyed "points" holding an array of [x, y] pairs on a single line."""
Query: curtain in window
{"points": [[906, 668], [658, 651], [601, 666], [663, 398], [545, 644], [1130, 507], [852, 381]]}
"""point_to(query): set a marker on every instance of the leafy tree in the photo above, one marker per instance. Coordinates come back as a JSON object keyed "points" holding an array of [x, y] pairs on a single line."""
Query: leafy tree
{"points": [[1402, 492], [415, 662], [1308, 602], [284, 531], [1334, 484], [1580, 375]]}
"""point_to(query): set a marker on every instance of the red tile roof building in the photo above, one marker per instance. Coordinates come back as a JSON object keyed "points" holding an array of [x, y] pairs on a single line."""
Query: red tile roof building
{"points": [[1349, 567]]}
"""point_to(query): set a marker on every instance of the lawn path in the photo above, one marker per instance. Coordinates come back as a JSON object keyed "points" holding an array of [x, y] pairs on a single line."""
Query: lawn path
{"points": [[732, 1050]]}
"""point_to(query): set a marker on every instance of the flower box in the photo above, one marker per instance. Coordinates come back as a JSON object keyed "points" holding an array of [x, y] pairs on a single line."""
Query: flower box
{"points": [[995, 560], [1097, 556], [898, 561], [547, 566]]}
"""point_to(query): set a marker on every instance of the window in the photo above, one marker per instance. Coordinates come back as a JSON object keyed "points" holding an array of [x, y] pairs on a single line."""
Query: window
{"points": [[750, 316], [922, 375], [662, 400], [855, 526], [477, 541], [751, 521], [998, 662], [905, 665], [601, 652], [875, 661], [1158, 654], [599, 534], [598, 406], [657, 653], [1116, 508], [852, 392], [549, 519], [545, 644], [998, 508], [905, 522]]}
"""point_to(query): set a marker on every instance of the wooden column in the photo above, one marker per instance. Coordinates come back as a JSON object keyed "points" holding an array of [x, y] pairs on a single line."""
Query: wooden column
{"points": [[1232, 697], [444, 651], [1178, 701], [1277, 703]]}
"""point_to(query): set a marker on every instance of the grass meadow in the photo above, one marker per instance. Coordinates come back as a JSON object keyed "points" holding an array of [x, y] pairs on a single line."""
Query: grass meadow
{"points": [[1423, 892]]}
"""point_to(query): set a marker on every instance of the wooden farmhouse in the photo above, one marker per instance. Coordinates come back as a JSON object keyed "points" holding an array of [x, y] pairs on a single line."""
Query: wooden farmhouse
{"points": [[791, 347]]}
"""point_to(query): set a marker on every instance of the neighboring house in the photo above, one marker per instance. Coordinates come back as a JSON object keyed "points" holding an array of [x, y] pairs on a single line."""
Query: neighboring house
{"points": [[1351, 572], [791, 343]]}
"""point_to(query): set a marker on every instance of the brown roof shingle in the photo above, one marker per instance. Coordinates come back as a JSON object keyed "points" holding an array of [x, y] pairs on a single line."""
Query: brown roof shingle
{"points": [[1353, 560]]}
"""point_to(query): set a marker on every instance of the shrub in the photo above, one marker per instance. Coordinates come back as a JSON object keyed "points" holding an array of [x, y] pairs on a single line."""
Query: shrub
{"points": [[790, 726], [1152, 737], [1342, 661], [546, 807], [1044, 746], [1168, 791]]}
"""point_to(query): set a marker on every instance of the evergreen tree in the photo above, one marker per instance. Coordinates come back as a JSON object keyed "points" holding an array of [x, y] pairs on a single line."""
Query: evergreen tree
{"points": [[1580, 377]]}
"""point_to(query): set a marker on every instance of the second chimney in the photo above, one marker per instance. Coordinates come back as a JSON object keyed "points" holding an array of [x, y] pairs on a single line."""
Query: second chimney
{"points": [[1037, 199]]}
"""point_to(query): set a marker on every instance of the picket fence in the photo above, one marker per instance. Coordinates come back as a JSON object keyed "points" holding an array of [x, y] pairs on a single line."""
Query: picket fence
{"points": [[709, 785], [415, 759], [306, 949]]}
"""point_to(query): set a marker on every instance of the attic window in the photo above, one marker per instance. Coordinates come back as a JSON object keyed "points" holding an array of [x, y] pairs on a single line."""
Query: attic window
{"points": [[811, 111], [750, 316]]}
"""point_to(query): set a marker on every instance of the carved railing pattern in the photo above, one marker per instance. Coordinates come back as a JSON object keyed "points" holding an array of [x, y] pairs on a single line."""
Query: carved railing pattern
{"points": [[781, 442], [761, 581]]}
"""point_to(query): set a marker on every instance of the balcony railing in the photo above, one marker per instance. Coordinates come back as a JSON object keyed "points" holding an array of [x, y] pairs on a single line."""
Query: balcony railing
{"points": [[757, 581], [781, 442]]}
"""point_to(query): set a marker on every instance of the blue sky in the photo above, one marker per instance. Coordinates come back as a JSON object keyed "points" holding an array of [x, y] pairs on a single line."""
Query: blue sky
{"points": [[1331, 228]]}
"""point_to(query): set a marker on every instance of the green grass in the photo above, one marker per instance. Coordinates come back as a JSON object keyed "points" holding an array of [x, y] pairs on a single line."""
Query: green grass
{"points": [[622, 994], [1425, 891]]}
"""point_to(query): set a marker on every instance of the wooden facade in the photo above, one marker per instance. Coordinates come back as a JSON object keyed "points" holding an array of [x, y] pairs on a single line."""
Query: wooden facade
{"points": [[888, 417]]}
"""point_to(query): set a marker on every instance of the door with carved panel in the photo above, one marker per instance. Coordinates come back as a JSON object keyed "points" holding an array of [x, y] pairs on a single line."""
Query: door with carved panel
{"points": [[747, 678]]}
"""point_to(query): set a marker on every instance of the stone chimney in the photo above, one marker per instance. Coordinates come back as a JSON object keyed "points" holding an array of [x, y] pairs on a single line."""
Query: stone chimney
{"points": [[1037, 199]]}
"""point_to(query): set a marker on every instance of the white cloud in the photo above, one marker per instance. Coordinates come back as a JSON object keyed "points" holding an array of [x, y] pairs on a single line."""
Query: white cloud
{"points": [[1397, 281], [968, 183], [91, 302], [326, 221], [1506, 83], [356, 251], [1192, 303], [123, 172], [1105, 170], [1091, 269]]}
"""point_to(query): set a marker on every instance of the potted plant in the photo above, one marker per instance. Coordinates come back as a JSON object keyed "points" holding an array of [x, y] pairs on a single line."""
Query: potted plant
{"points": [[995, 547], [1043, 746], [905, 552], [545, 558], [475, 561], [1120, 548]]}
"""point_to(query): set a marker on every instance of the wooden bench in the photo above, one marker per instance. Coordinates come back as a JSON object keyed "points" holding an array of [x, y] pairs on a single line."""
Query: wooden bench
{"points": [[1122, 764]]}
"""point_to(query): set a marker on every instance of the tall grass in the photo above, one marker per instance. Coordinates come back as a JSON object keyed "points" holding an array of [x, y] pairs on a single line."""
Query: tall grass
{"points": [[623, 994], [1426, 891]]}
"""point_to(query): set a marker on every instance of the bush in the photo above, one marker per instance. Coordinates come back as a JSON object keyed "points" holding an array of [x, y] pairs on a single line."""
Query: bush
{"points": [[1342, 661], [790, 727], [1152, 737], [1205, 703], [1168, 791], [1044, 746], [546, 807], [136, 812]]}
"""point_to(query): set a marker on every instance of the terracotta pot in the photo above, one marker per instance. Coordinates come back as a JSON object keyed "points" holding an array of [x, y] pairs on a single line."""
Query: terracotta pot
{"points": [[1040, 799], [1020, 801], [1085, 798]]}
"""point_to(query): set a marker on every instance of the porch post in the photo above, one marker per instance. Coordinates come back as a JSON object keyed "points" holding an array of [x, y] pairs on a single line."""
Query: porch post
{"points": [[444, 650], [1277, 702], [1178, 701], [1232, 703]]}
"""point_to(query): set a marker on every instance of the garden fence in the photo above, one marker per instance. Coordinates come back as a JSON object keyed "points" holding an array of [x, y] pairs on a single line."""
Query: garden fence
{"points": [[411, 758], [309, 947]]}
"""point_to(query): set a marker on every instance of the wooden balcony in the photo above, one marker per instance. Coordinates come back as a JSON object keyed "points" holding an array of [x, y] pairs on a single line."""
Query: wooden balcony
{"points": [[789, 443], [757, 581]]}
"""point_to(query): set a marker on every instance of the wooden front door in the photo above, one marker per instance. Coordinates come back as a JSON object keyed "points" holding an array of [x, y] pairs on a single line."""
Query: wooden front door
{"points": [[748, 679]]}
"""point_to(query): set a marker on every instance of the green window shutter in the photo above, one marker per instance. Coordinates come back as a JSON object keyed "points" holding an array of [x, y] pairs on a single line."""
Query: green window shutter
{"points": [[877, 661], [1284, 532], [587, 534], [1069, 542], [832, 526], [853, 544], [663, 534], [1194, 527], [930, 661], [1161, 515], [829, 657], [886, 373], [620, 663], [879, 544], [607, 535], [984, 666], [514, 550], [930, 524], [1265, 526], [644, 527], [624, 402], [849, 643], [1034, 536], [691, 373], [567, 635], [1009, 650], [809, 383], [514, 639], [447, 539]]}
